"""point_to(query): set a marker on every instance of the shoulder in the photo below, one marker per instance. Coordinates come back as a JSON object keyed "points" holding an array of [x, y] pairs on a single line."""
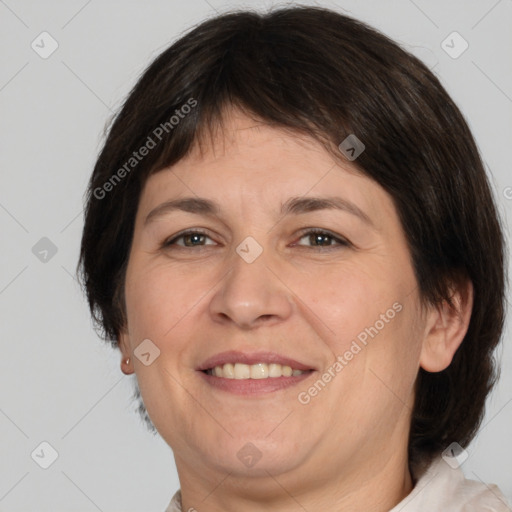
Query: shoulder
{"points": [[442, 487]]}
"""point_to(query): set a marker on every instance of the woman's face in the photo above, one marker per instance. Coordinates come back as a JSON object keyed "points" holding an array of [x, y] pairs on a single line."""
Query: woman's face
{"points": [[255, 285]]}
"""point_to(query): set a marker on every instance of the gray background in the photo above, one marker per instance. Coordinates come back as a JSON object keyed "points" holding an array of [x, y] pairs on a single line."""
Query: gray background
{"points": [[58, 382]]}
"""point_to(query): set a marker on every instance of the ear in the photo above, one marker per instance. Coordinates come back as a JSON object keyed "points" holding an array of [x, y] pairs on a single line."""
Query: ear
{"points": [[126, 352], [446, 327]]}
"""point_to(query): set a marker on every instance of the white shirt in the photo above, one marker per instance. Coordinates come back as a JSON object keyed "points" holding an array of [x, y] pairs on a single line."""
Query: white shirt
{"points": [[440, 489]]}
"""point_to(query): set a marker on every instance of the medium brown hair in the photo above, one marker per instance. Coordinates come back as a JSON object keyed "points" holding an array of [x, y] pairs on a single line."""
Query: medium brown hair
{"points": [[316, 72]]}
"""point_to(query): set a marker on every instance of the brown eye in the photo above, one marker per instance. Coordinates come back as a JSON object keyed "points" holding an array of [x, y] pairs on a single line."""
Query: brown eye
{"points": [[321, 238], [189, 239]]}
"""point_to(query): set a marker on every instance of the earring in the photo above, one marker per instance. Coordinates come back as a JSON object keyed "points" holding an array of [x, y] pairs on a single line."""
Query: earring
{"points": [[127, 361]]}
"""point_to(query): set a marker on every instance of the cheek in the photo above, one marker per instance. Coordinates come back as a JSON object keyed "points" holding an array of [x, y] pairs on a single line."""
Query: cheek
{"points": [[159, 297], [369, 320], [347, 300]]}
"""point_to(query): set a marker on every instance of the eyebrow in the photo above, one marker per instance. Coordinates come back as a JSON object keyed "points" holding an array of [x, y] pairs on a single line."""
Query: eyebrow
{"points": [[294, 205]]}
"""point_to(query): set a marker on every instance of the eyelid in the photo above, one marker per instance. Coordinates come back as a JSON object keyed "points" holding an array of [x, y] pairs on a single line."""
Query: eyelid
{"points": [[169, 241], [341, 241]]}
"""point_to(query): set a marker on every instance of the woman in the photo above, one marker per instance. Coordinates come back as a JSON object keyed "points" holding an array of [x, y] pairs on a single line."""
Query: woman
{"points": [[291, 239]]}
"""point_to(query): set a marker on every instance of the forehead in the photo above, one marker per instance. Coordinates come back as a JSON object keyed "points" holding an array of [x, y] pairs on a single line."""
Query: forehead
{"points": [[246, 162], [238, 135]]}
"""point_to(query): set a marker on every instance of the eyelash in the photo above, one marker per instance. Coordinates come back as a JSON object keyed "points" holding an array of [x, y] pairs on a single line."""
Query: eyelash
{"points": [[308, 231]]}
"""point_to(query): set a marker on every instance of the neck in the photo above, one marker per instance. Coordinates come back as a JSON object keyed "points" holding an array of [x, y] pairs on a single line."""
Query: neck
{"points": [[377, 486]]}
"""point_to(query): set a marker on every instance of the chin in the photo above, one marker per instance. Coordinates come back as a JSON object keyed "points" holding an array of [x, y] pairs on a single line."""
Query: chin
{"points": [[256, 455]]}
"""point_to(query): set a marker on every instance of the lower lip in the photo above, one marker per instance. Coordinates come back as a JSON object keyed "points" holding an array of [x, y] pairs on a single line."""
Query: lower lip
{"points": [[254, 386]]}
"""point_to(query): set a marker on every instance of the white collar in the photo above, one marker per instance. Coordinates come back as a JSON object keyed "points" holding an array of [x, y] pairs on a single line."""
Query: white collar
{"points": [[440, 487]]}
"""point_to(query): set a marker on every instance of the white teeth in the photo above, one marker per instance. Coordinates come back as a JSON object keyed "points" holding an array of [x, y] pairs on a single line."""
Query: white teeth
{"points": [[254, 371], [259, 371], [274, 370], [242, 371], [228, 371], [287, 371]]}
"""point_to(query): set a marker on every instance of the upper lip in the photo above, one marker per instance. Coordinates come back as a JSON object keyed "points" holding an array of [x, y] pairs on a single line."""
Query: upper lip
{"points": [[235, 356]]}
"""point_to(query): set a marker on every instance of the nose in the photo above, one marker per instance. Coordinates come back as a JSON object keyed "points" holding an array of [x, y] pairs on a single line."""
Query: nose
{"points": [[250, 295]]}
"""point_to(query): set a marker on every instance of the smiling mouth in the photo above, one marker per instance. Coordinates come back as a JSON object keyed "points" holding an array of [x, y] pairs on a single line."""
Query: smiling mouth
{"points": [[241, 371]]}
